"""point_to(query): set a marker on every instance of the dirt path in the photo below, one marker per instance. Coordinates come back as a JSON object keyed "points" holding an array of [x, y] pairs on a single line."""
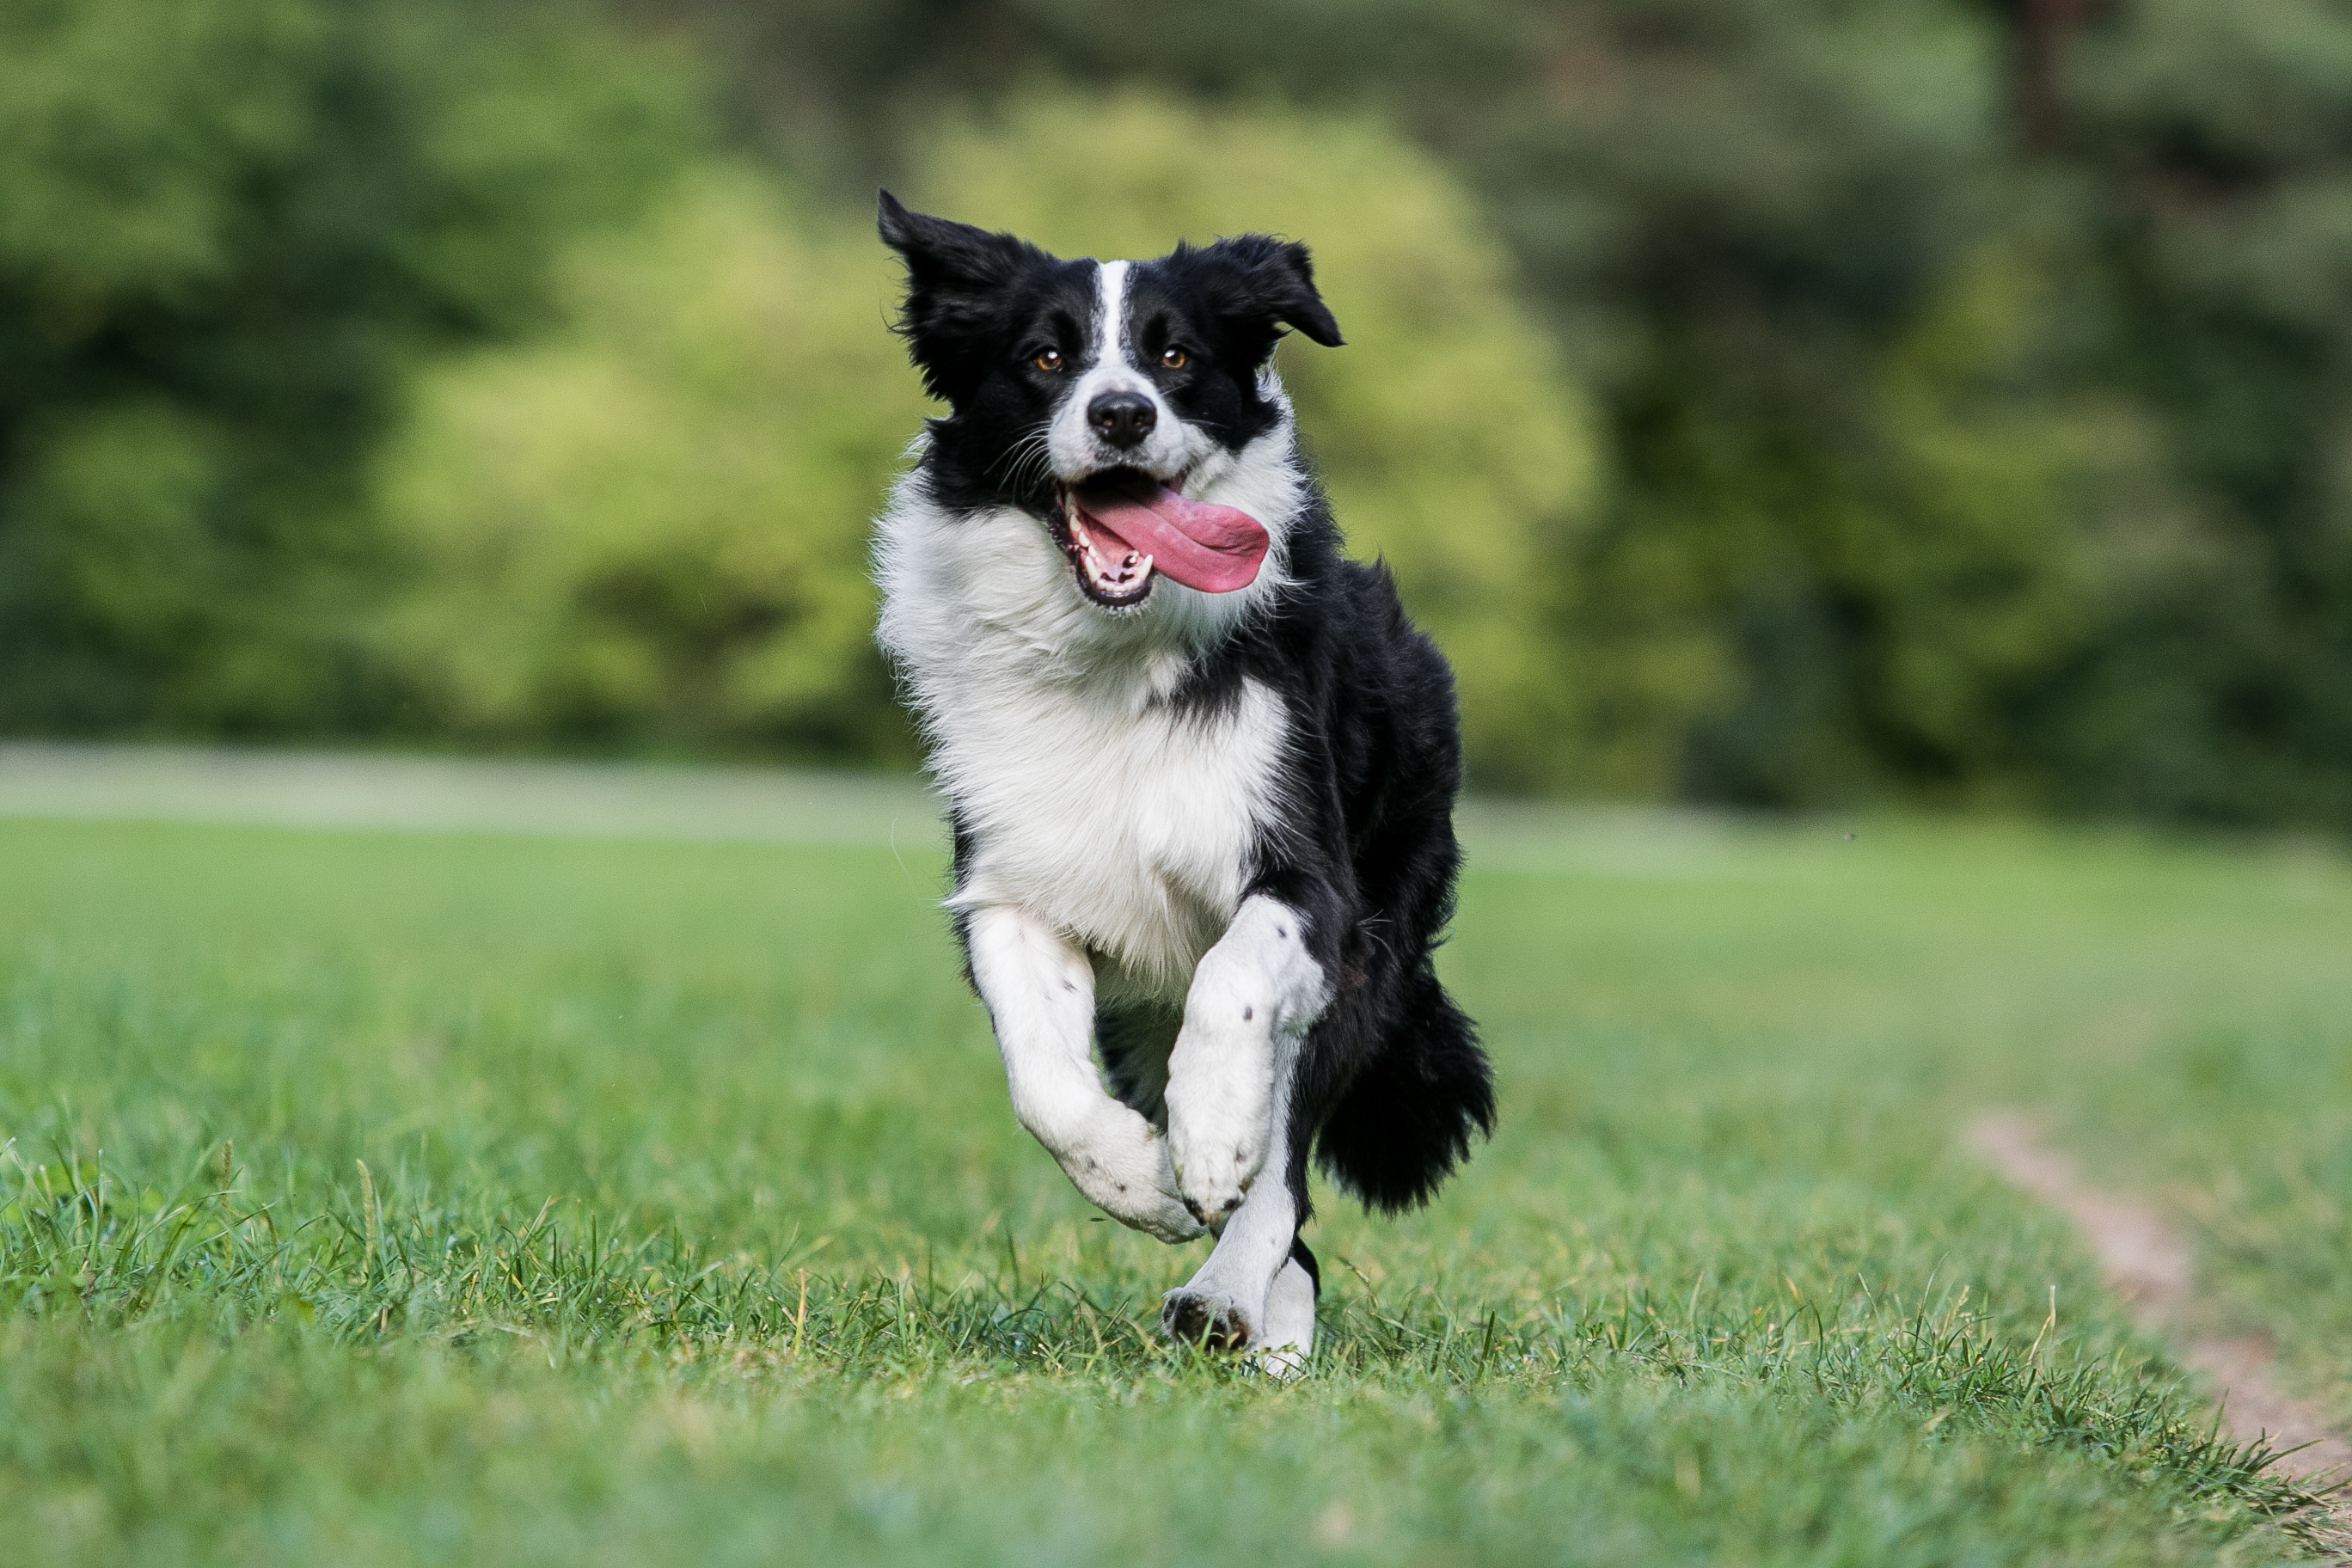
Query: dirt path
{"points": [[2148, 1262]]}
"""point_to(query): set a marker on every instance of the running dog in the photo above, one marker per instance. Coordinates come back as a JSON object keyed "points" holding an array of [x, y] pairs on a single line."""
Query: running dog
{"points": [[1199, 766]]}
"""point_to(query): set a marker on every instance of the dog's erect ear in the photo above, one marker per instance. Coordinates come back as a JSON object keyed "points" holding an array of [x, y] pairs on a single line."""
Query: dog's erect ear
{"points": [[942, 252], [955, 276], [1258, 284]]}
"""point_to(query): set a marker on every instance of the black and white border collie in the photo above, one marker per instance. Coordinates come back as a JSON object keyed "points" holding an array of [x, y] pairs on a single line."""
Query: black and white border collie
{"points": [[1199, 766]]}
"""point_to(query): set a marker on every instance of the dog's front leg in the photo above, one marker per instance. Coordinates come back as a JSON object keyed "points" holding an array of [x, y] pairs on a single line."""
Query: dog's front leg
{"points": [[1254, 1293], [1253, 995], [1039, 990]]}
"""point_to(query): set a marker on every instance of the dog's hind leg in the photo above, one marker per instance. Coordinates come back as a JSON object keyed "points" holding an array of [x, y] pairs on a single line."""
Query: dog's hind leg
{"points": [[1253, 998], [1287, 1337], [1256, 1293], [1232, 1303]]}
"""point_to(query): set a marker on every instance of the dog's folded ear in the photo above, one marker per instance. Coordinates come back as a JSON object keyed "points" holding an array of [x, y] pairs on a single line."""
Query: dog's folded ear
{"points": [[1257, 285], [955, 277]]}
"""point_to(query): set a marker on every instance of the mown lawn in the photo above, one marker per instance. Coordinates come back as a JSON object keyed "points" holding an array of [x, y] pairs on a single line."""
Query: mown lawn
{"points": [[427, 1197]]}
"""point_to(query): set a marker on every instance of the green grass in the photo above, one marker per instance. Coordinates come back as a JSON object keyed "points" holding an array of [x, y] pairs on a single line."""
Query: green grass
{"points": [[427, 1197]]}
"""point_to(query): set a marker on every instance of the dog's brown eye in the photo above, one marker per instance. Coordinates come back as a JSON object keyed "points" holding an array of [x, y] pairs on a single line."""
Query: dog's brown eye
{"points": [[1048, 359], [1174, 359]]}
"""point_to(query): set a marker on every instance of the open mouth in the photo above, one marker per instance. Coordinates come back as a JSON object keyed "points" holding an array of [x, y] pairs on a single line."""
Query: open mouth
{"points": [[1112, 572], [1122, 527]]}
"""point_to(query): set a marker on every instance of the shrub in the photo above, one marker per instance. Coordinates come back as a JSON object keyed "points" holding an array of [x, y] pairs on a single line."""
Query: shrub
{"points": [[651, 529]]}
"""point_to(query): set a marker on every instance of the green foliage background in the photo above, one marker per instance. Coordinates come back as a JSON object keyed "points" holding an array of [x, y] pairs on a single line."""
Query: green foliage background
{"points": [[655, 523], [650, 525], [1777, 402], [228, 234]]}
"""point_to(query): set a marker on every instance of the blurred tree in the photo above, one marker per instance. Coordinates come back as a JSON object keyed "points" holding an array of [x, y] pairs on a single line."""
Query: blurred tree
{"points": [[653, 527], [649, 528], [1969, 379], [1741, 215], [226, 230], [1744, 211], [2216, 143], [2090, 553]]}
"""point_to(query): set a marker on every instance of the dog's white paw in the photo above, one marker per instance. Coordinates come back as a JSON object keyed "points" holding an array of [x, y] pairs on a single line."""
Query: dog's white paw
{"points": [[1210, 1319], [1219, 1115], [1215, 1168], [1123, 1168]]}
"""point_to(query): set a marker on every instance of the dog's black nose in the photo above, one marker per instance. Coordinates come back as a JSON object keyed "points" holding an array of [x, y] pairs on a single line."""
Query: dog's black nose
{"points": [[1122, 418]]}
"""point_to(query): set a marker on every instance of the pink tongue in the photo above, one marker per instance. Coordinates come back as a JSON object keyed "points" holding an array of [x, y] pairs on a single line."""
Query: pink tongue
{"points": [[1212, 548]]}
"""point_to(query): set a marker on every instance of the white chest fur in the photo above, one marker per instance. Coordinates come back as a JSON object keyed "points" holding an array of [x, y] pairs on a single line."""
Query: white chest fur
{"points": [[1120, 819], [1090, 800]]}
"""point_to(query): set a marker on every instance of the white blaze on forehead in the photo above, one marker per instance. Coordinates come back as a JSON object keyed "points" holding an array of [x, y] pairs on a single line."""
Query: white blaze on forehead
{"points": [[1111, 367], [1109, 347]]}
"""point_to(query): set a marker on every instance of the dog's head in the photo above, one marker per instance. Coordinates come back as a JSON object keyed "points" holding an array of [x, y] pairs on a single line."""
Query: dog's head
{"points": [[1104, 398]]}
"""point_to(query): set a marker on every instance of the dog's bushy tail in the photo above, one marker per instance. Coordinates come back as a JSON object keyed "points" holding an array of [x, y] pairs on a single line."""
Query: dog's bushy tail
{"points": [[1406, 1120]]}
